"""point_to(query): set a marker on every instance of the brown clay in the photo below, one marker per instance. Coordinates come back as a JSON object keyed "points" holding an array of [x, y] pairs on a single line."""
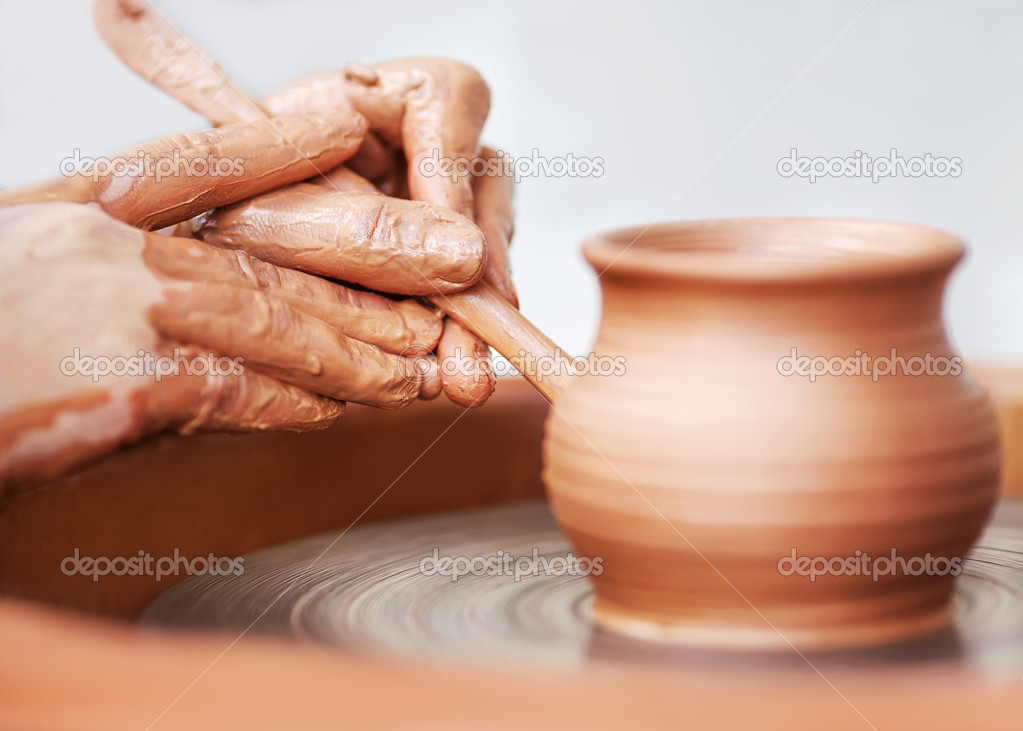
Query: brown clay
{"points": [[694, 473]]}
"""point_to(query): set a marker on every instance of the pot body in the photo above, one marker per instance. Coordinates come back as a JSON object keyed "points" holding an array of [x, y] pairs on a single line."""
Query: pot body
{"points": [[737, 495]]}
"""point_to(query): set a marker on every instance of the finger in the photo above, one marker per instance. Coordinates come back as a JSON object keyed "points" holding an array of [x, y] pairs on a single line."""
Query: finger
{"points": [[492, 201], [397, 327], [466, 375], [483, 311], [149, 44], [279, 341], [145, 40], [324, 93], [382, 243], [174, 178], [432, 384], [239, 402], [433, 108], [423, 367], [425, 106], [327, 93]]}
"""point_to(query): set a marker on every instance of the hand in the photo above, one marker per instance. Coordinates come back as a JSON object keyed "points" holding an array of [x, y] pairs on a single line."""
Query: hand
{"points": [[415, 108], [423, 108], [77, 280]]}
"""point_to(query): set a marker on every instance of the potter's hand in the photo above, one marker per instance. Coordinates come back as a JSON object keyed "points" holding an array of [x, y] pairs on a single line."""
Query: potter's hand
{"points": [[399, 246], [428, 113], [77, 281], [298, 227], [419, 111], [416, 109], [111, 333]]}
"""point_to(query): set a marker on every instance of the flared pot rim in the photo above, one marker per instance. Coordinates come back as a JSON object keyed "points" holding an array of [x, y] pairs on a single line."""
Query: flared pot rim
{"points": [[774, 250]]}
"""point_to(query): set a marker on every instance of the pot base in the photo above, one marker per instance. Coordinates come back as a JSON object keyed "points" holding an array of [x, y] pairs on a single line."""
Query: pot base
{"points": [[767, 636]]}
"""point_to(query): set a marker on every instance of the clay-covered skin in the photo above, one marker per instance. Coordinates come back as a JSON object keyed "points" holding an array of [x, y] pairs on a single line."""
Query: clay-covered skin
{"points": [[74, 278], [472, 380], [494, 214], [182, 175], [145, 40], [539, 359], [290, 149], [395, 326], [425, 107], [434, 107], [418, 107], [694, 481], [365, 238]]}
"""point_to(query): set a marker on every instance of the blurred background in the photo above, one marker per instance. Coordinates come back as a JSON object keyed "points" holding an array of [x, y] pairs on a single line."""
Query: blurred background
{"points": [[690, 106]]}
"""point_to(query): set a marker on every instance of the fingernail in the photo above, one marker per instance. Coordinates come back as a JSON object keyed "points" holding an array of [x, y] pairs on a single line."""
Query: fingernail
{"points": [[460, 244]]}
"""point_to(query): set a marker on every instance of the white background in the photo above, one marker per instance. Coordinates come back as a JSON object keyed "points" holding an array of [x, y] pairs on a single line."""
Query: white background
{"points": [[690, 104]]}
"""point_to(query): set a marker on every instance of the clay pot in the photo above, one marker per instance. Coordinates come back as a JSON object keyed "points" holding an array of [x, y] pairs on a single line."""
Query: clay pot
{"points": [[704, 473]]}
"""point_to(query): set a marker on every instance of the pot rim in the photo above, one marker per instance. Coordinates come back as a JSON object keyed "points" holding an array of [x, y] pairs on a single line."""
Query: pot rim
{"points": [[774, 250]]}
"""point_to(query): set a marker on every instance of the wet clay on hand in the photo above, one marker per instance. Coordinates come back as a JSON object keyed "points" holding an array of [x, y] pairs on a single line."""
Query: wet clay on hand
{"points": [[420, 107], [430, 107], [383, 243], [182, 175], [289, 348], [150, 45]]}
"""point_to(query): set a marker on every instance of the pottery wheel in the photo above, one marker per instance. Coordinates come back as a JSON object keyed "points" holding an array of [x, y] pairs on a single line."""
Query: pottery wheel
{"points": [[367, 591]]}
